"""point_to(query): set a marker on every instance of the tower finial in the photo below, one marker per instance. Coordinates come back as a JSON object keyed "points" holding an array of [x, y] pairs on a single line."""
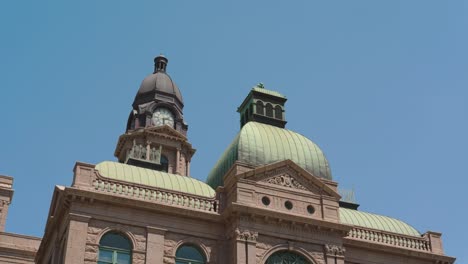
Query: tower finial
{"points": [[160, 63]]}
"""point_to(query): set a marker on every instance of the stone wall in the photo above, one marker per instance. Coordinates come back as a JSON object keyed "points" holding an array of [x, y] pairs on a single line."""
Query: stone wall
{"points": [[97, 228], [16, 248]]}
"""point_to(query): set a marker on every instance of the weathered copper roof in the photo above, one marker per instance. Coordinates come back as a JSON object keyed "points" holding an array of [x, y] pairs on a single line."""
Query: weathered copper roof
{"points": [[160, 82], [266, 91], [260, 144], [374, 221], [153, 178]]}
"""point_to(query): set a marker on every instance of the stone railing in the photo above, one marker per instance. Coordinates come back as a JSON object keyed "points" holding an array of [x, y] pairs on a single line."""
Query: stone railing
{"points": [[414, 243], [156, 195]]}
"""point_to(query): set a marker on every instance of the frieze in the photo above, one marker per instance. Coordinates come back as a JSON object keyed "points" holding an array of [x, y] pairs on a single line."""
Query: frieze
{"points": [[287, 227], [334, 250]]}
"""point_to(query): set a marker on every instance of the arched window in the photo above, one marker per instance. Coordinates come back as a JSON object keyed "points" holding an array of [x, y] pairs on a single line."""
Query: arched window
{"points": [[164, 163], [269, 110], [115, 248], [278, 112], [286, 257], [189, 254], [259, 108]]}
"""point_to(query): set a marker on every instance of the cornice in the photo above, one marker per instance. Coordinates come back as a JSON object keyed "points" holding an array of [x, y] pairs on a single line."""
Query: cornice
{"points": [[275, 217], [155, 132], [89, 196]]}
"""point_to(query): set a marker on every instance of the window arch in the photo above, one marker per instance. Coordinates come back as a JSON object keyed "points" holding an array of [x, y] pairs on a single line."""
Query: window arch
{"points": [[259, 108], [115, 248], [269, 110], [278, 112], [286, 257], [189, 254]]}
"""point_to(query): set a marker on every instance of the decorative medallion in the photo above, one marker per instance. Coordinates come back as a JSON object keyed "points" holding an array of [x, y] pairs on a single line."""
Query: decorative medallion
{"points": [[285, 180]]}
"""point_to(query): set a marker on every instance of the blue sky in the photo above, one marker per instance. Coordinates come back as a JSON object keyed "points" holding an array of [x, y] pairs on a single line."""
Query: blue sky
{"points": [[381, 86]]}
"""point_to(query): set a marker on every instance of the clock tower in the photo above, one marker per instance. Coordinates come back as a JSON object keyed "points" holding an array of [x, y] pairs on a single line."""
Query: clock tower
{"points": [[156, 133]]}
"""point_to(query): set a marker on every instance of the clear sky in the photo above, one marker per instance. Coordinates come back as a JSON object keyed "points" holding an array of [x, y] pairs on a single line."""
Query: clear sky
{"points": [[380, 86]]}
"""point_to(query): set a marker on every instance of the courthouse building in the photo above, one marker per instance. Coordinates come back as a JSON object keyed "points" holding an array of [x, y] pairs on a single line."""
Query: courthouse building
{"points": [[270, 198]]}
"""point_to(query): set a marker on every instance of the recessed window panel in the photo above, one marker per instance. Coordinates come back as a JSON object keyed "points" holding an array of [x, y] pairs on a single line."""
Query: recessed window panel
{"points": [[114, 248], [189, 254]]}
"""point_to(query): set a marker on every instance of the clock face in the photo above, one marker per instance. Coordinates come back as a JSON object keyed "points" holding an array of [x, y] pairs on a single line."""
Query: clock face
{"points": [[163, 116]]}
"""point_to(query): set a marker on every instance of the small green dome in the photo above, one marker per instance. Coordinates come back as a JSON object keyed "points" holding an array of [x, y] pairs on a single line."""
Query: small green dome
{"points": [[260, 144], [158, 179], [375, 221]]}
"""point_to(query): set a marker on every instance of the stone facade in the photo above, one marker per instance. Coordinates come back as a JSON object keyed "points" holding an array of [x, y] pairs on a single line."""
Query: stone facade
{"points": [[14, 248], [258, 212], [240, 230]]}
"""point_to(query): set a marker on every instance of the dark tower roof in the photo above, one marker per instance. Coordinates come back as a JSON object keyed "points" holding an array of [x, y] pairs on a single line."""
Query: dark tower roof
{"points": [[158, 82]]}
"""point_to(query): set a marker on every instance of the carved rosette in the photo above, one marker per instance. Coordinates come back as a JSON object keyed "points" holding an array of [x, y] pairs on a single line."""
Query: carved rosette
{"points": [[246, 235], [334, 250], [285, 180]]}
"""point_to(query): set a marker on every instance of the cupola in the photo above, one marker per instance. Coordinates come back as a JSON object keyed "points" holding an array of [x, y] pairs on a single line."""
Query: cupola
{"points": [[263, 106]]}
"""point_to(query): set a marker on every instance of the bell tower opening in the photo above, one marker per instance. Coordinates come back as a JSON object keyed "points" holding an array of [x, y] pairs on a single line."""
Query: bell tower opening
{"points": [[263, 106]]}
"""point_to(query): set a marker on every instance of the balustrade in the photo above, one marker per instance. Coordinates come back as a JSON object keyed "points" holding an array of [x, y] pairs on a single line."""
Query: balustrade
{"points": [[390, 239], [156, 195]]}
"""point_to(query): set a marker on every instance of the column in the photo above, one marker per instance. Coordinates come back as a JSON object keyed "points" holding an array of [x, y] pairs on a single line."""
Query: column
{"points": [[177, 165]]}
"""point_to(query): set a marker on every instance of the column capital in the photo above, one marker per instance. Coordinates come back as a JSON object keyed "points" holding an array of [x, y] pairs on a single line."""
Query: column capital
{"points": [[79, 217], [156, 230], [334, 250], [246, 235]]}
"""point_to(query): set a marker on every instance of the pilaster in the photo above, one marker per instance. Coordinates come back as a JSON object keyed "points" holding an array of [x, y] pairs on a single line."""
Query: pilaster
{"points": [[435, 240], [6, 195], [245, 246], [76, 239], [334, 254], [154, 244]]}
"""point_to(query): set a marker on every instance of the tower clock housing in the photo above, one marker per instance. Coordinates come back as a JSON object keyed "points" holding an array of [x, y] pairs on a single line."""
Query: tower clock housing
{"points": [[156, 133]]}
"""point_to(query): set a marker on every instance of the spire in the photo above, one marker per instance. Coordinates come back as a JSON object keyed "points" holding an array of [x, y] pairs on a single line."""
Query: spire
{"points": [[160, 63]]}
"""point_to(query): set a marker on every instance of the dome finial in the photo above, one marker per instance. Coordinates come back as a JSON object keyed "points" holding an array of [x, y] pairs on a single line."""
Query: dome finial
{"points": [[160, 63], [260, 85]]}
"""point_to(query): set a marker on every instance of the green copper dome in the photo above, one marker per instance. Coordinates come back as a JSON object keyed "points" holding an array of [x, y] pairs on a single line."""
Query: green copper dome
{"points": [[158, 179], [374, 221], [260, 144]]}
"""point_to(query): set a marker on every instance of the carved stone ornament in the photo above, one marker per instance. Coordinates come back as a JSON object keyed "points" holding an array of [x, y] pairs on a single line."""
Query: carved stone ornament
{"points": [[334, 250], [285, 180], [146, 153], [246, 235]]}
